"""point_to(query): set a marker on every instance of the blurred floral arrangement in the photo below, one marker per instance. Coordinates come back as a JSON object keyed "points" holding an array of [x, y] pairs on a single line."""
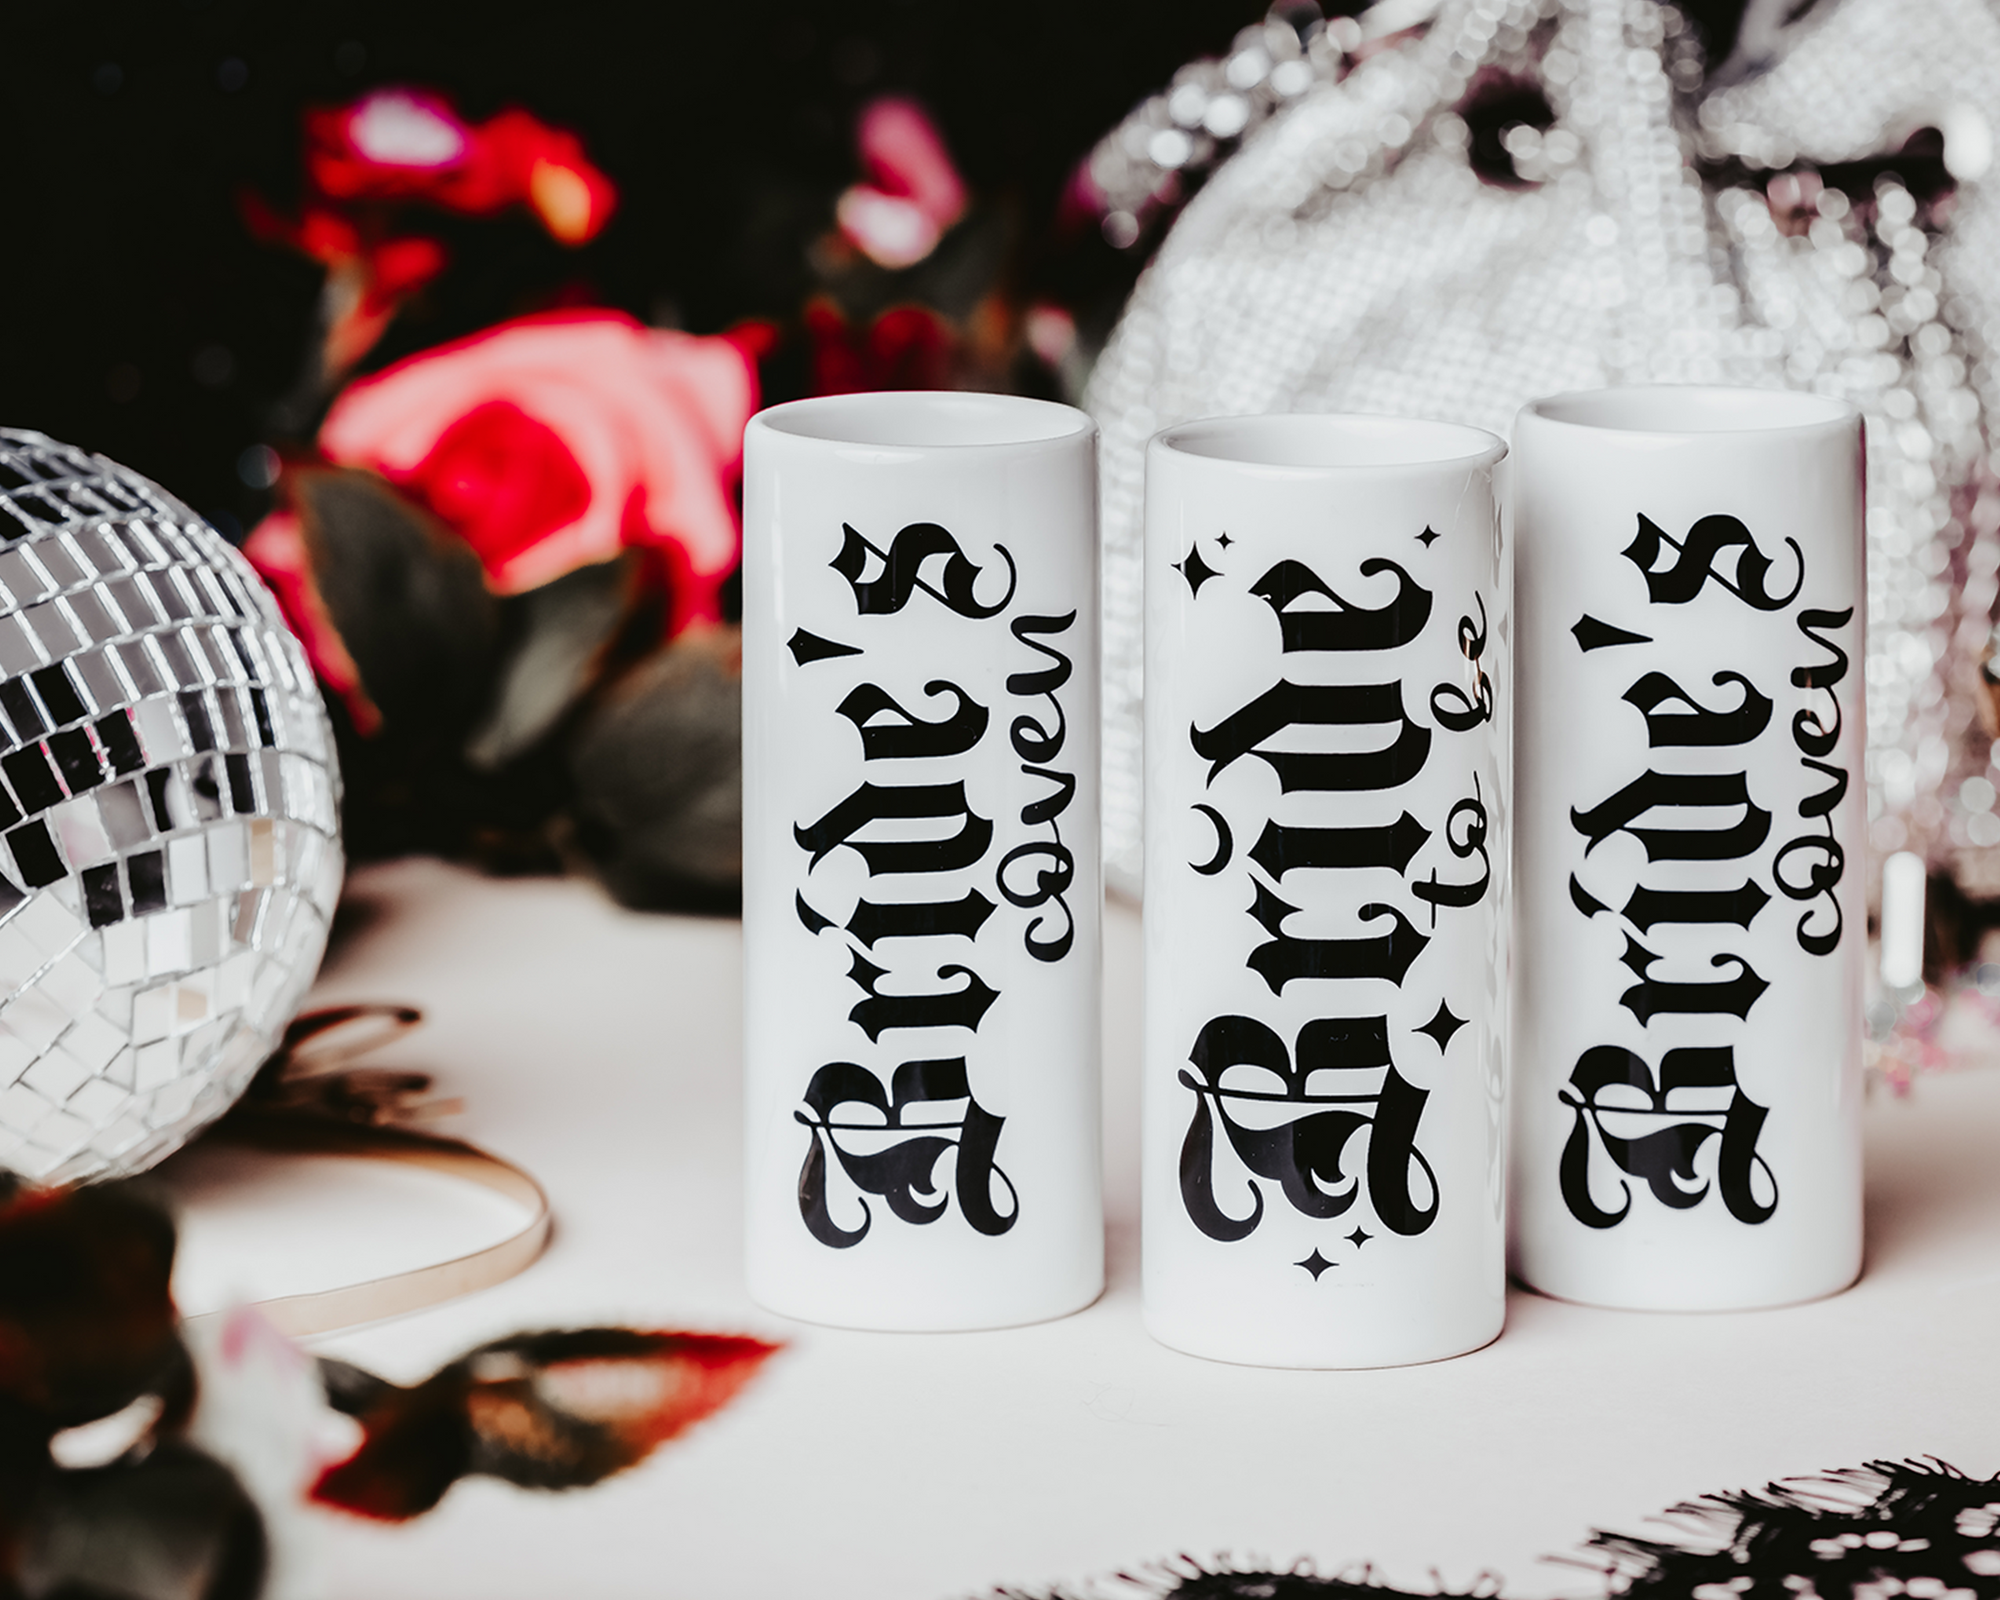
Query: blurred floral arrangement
{"points": [[512, 557], [144, 1457], [506, 563], [367, 162], [914, 287]]}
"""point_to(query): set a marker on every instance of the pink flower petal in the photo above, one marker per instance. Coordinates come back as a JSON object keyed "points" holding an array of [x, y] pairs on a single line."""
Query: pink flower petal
{"points": [[904, 154], [644, 412], [892, 231], [397, 128]]}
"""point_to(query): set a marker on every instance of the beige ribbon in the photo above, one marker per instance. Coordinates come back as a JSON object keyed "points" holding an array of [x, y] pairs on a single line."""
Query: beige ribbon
{"points": [[308, 1101]]}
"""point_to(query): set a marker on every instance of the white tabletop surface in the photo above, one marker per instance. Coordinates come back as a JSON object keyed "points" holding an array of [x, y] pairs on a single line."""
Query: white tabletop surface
{"points": [[600, 1049]]}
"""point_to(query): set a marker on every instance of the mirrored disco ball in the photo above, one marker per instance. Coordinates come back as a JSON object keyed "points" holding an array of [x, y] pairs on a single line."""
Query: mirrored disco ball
{"points": [[169, 849]]}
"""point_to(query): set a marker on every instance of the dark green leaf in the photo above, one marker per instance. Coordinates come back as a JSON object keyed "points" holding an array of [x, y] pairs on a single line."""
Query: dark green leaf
{"points": [[86, 1318], [658, 768], [408, 597], [564, 630], [173, 1526]]}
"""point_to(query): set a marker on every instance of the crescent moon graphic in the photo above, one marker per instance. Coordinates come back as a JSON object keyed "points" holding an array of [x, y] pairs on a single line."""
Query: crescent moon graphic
{"points": [[1225, 846]]}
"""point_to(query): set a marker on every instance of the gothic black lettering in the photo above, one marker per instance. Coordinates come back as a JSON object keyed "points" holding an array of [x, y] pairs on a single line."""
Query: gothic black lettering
{"points": [[1043, 680], [902, 567], [1697, 725], [894, 1151], [1297, 1132], [1051, 882], [1465, 830], [1583, 899], [1809, 731], [1320, 705], [911, 737], [1655, 1130], [1054, 803], [1658, 1138], [1647, 908], [1032, 741], [1824, 865], [921, 919], [1823, 803], [1037, 745], [1452, 706], [812, 920], [1281, 849], [1815, 735], [1719, 790], [1650, 996], [1347, 626], [1695, 563], [1823, 674], [873, 802], [892, 1143], [1284, 959], [945, 1008], [1300, 1137]]}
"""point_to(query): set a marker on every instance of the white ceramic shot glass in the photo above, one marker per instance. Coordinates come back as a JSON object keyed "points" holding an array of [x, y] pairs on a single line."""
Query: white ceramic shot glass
{"points": [[1688, 1060], [921, 887], [1327, 792]]}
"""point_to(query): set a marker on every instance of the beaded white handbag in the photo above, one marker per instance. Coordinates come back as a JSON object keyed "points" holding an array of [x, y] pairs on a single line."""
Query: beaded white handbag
{"points": [[1753, 225]]}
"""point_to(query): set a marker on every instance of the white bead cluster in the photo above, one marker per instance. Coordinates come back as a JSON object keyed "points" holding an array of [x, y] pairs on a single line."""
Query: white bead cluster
{"points": [[1347, 258]]}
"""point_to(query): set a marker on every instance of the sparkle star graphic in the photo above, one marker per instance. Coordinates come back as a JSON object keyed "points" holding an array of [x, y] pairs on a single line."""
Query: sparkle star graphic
{"points": [[1359, 1237], [1428, 537], [1223, 542], [810, 647], [1315, 1264], [1196, 571], [1442, 1026]]}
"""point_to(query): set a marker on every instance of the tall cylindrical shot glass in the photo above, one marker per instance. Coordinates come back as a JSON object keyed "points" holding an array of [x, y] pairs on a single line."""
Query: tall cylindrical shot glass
{"points": [[921, 883], [1327, 791], [1688, 1061]]}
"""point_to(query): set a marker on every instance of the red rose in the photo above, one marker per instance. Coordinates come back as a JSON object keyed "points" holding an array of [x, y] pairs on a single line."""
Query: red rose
{"points": [[277, 549], [546, 444], [368, 276], [402, 144], [396, 146], [913, 192], [906, 347], [555, 441]]}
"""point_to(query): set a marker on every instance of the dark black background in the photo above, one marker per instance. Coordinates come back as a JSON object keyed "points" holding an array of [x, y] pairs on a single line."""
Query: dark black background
{"points": [[144, 322]]}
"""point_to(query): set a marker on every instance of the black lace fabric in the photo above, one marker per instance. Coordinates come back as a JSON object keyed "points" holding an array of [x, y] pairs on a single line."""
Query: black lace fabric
{"points": [[1921, 1529]]}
